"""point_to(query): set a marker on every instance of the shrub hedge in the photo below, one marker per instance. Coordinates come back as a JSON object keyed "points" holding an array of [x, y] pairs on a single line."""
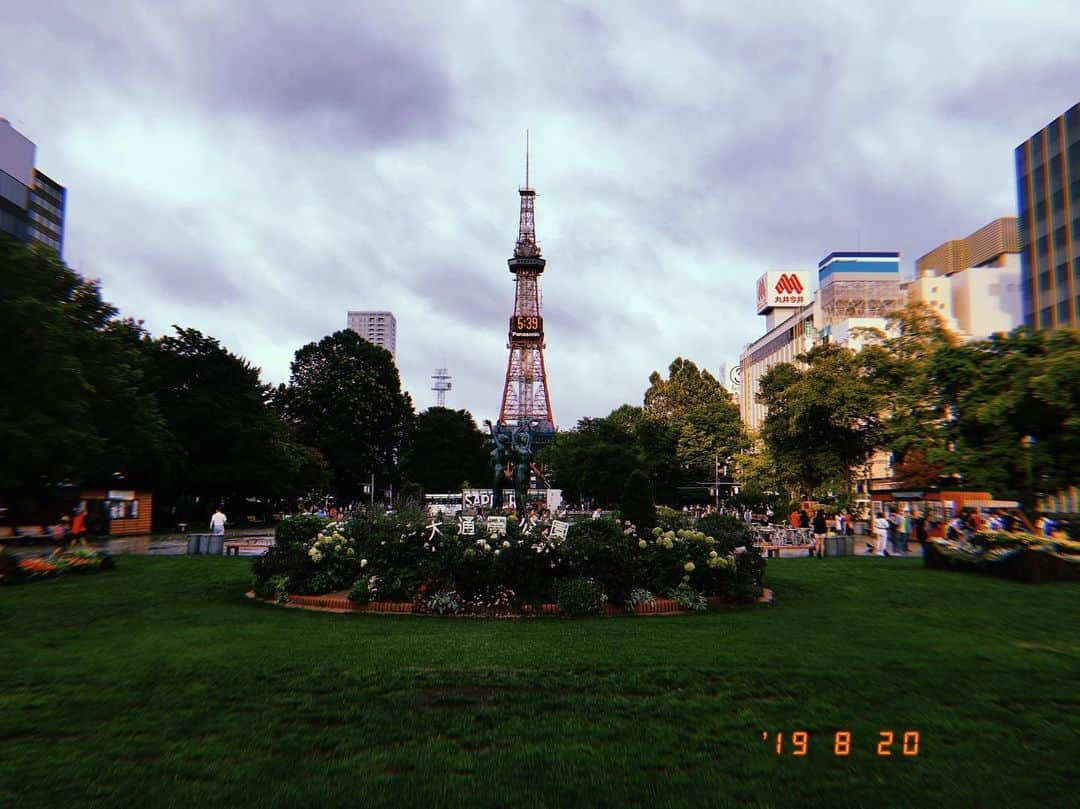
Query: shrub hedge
{"points": [[411, 557]]}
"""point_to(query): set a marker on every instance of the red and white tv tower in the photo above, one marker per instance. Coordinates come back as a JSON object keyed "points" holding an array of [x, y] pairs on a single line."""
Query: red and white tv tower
{"points": [[525, 394]]}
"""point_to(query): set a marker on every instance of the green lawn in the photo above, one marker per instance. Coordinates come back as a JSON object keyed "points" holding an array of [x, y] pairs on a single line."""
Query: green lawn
{"points": [[161, 684]]}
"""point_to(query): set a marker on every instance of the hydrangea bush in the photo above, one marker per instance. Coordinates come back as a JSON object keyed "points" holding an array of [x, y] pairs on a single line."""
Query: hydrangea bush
{"points": [[440, 569]]}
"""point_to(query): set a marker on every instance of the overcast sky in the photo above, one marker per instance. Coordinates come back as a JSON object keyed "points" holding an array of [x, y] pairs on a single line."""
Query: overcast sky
{"points": [[255, 170]]}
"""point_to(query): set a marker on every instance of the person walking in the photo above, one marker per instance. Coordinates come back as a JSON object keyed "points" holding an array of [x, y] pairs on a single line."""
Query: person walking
{"points": [[217, 523], [821, 527], [881, 532], [78, 526]]}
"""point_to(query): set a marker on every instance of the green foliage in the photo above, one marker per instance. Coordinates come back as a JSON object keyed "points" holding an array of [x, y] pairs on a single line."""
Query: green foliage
{"points": [[606, 552], [637, 506], [670, 519], [344, 398], [594, 461], [446, 449], [994, 393], [359, 592], [398, 558], [639, 597], [700, 413], [78, 403], [234, 442], [290, 555], [578, 597], [823, 418], [688, 598]]}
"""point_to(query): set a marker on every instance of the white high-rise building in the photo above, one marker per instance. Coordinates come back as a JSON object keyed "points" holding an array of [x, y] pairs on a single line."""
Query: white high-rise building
{"points": [[379, 328]]}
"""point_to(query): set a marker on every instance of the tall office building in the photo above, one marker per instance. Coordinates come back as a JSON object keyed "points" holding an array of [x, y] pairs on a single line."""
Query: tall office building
{"points": [[379, 328], [1048, 197], [31, 203]]}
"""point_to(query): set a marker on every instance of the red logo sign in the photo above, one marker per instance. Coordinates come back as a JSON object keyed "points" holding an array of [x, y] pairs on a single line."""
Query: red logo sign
{"points": [[761, 288], [789, 284]]}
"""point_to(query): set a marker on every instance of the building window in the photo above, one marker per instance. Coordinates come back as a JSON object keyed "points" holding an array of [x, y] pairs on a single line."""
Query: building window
{"points": [[1063, 311], [1044, 281], [1061, 274], [1045, 318]]}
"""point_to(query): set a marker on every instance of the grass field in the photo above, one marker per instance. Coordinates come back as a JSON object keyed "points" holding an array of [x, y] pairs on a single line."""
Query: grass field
{"points": [[160, 684]]}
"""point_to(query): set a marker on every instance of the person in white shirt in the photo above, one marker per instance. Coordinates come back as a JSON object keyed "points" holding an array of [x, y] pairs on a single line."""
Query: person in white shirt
{"points": [[881, 530], [217, 523]]}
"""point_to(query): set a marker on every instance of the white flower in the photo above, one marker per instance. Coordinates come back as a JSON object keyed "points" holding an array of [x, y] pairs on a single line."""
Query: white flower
{"points": [[688, 567], [712, 554], [506, 543], [363, 563], [642, 543]]}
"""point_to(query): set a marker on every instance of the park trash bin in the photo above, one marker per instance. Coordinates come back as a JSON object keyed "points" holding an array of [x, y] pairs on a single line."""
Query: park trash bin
{"points": [[215, 544], [832, 546], [198, 543], [849, 545]]}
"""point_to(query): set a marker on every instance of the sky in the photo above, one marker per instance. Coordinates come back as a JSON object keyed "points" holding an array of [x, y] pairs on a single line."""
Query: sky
{"points": [[256, 170]]}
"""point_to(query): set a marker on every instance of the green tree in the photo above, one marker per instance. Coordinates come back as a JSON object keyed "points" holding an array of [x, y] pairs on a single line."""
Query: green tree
{"points": [[594, 460], [701, 414], [446, 449], [78, 406], [637, 504], [911, 428], [233, 441], [994, 394], [344, 398], [823, 418]]}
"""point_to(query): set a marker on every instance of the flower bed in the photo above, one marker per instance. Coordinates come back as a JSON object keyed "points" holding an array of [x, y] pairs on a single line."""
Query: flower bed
{"points": [[36, 568], [591, 567], [1025, 557]]}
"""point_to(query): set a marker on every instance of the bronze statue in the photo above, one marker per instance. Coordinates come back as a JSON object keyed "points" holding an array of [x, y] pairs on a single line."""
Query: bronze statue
{"points": [[523, 454], [500, 455]]}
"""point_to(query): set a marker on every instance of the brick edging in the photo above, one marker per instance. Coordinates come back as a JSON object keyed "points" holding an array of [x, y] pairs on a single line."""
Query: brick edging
{"points": [[339, 602]]}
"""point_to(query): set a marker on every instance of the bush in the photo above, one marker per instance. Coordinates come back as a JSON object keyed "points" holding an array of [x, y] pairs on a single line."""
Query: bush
{"points": [[670, 519], [733, 537], [638, 507], [359, 592], [579, 597], [638, 598], [400, 557], [608, 553], [688, 598]]}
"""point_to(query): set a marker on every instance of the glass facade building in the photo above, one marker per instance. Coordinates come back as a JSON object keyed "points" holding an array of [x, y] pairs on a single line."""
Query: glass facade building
{"points": [[31, 204], [1048, 199]]}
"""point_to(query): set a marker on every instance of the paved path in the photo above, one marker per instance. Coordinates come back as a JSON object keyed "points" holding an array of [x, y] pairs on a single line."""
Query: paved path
{"points": [[146, 544]]}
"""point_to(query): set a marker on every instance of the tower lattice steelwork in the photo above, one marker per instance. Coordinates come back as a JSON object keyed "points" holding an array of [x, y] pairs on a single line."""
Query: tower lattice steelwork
{"points": [[525, 397]]}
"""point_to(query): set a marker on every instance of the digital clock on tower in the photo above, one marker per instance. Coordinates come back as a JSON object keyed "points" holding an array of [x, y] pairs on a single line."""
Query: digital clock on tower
{"points": [[527, 327]]}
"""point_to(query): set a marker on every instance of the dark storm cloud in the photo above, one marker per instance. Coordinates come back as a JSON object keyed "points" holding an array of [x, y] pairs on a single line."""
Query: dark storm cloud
{"points": [[256, 170], [344, 78]]}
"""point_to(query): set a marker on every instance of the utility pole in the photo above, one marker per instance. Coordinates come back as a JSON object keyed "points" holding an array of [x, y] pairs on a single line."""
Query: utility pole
{"points": [[716, 481]]}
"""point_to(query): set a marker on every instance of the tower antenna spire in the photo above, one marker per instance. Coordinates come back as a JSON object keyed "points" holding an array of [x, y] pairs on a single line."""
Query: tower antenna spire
{"points": [[526, 158]]}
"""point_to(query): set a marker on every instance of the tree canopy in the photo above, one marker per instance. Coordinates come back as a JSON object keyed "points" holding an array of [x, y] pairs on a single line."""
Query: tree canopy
{"points": [[78, 407], [232, 440], [446, 450], [700, 413], [344, 398], [823, 420]]}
